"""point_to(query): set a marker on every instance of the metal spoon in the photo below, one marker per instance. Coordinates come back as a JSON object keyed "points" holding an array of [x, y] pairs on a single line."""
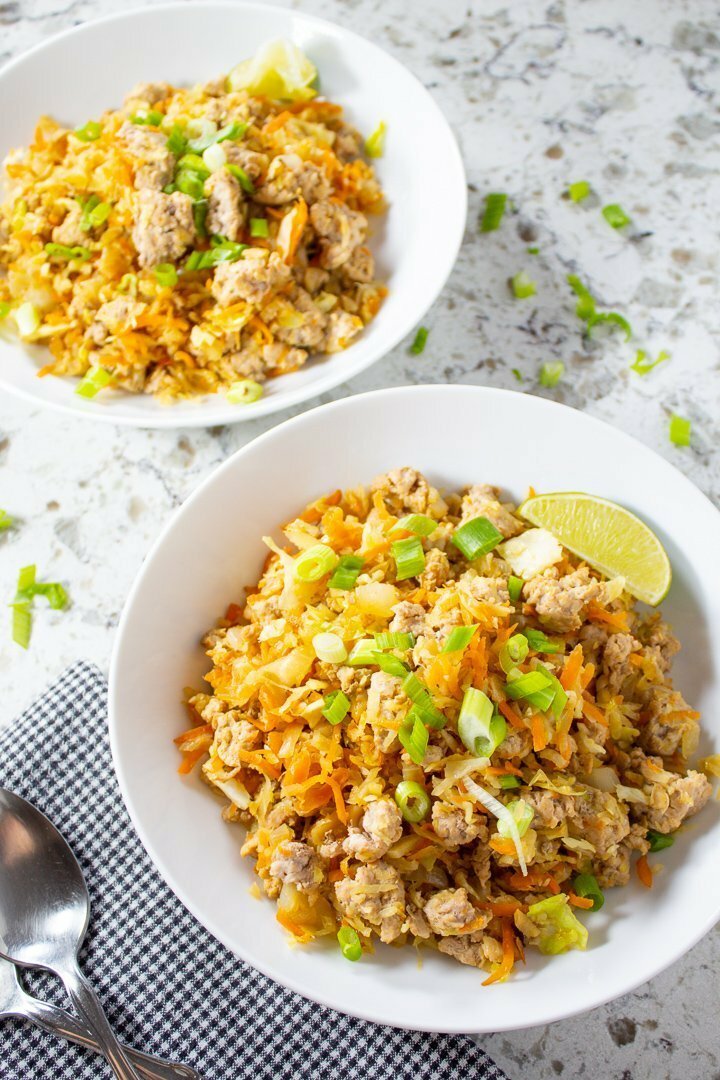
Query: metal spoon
{"points": [[15, 1002], [44, 913]]}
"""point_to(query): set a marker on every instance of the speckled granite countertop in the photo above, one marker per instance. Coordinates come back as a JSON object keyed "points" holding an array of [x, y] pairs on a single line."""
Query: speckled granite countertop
{"points": [[624, 94]]}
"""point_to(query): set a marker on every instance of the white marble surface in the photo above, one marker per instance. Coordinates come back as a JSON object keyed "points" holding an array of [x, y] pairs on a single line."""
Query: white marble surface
{"points": [[624, 93]]}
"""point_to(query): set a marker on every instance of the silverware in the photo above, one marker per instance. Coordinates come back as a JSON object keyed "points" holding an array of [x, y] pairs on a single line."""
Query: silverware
{"points": [[44, 913], [16, 1002]]}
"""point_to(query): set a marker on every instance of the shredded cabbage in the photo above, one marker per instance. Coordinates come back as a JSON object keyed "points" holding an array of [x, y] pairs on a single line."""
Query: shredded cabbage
{"points": [[559, 929], [502, 814]]}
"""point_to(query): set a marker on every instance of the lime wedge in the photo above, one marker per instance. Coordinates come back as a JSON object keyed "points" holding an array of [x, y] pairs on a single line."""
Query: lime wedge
{"points": [[606, 536], [278, 70]]}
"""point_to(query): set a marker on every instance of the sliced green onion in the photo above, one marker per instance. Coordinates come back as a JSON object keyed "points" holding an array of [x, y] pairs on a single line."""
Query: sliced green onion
{"points": [[518, 374], [232, 131], [177, 143], [459, 638], [335, 707], [166, 275], [614, 318], [476, 538], [479, 727], [88, 132], [53, 592], [643, 366], [540, 643], [219, 252], [412, 800], [579, 190], [680, 430], [508, 782], [419, 341], [4, 309], [94, 213], [242, 178], [515, 587], [330, 648], [349, 942], [409, 558], [193, 164], [259, 227], [423, 706], [375, 143], [559, 698], [417, 524], [659, 841], [522, 285], [391, 665], [190, 183], [615, 216], [494, 210], [551, 373], [6, 521], [62, 251], [200, 213], [363, 653], [414, 738], [533, 251], [513, 652], [315, 562], [397, 639], [522, 685], [585, 306], [586, 885], [25, 581], [150, 117], [21, 624], [27, 319], [92, 382], [244, 392], [522, 813], [346, 572]]}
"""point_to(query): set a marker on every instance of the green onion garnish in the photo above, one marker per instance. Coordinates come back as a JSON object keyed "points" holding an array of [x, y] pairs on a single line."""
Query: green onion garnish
{"points": [[417, 524], [540, 643], [346, 572], [480, 728], [335, 707], [551, 373], [585, 306], [88, 132], [559, 698], [375, 143], [394, 640], [422, 701], [190, 183], [349, 942], [513, 652], [177, 143], [508, 782], [615, 216], [315, 562], [363, 653], [522, 286], [148, 116], [459, 638], [643, 366], [409, 558], [659, 841], [476, 537], [94, 213], [259, 227], [390, 664], [232, 131], [419, 341], [242, 178], [166, 275], [6, 521], [494, 210], [330, 648], [244, 392], [4, 309], [194, 164], [579, 190], [586, 885], [680, 430], [92, 382], [614, 318], [414, 738], [62, 251], [521, 686], [224, 251], [515, 587], [523, 814], [21, 624], [413, 801]]}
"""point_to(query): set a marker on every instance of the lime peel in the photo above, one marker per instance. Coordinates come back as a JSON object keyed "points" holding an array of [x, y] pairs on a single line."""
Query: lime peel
{"points": [[279, 71]]}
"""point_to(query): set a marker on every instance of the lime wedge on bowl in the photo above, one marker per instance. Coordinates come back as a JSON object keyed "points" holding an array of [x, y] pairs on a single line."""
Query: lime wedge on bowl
{"points": [[278, 70], [606, 536]]}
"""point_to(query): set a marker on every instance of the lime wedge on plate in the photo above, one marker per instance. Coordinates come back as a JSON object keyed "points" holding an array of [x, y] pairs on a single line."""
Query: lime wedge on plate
{"points": [[278, 70], [606, 536]]}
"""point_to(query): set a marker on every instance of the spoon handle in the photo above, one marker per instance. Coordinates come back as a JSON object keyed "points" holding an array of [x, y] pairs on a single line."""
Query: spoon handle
{"points": [[87, 1005], [60, 1022]]}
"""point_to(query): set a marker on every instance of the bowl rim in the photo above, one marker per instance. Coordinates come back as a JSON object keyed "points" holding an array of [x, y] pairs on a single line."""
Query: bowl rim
{"points": [[266, 406], [283, 977]]}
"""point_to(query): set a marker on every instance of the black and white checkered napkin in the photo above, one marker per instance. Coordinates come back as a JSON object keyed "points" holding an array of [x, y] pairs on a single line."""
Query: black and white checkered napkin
{"points": [[169, 988]]}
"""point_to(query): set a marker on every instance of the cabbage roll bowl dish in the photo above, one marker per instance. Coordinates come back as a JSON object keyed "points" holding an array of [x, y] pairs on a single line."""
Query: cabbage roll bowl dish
{"points": [[183, 249], [428, 706]]}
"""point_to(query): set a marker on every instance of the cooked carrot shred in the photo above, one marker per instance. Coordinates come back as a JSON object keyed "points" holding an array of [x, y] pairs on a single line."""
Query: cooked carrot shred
{"points": [[644, 873], [508, 961], [585, 902], [571, 670]]}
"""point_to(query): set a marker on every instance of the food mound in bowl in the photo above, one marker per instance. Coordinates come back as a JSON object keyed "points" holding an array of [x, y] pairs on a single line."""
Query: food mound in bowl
{"points": [[193, 240], [442, 728]]}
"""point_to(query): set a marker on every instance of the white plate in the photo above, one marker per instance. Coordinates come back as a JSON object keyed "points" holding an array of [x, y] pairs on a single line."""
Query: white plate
{"points": [[76, 75], [211, 548]]}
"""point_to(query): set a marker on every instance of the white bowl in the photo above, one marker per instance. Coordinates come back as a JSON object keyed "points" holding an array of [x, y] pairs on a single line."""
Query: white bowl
{"points": [[76, 75], [211, 548]]}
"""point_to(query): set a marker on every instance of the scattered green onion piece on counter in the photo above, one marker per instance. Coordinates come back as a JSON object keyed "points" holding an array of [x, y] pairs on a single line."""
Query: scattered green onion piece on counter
{"points": [[363, 653], [21, 624], [476, 537], [259, 227], [346, 572], [242, 178], [25, 582], [88, 132], [551, 373], [615, 216], [396, 639], [508, 782], [53, 592], [612, 318], [27, 319], [93, 382], [494, 210], [515, 586], [513, 652], [315, 562], [419, 341], [522, 685], [176, 142], [540, 643], [349, 941], [585, 306], [6, 521], [4, 309], [390, 664], [335, 707], [235, 130], [659, 841], [330, 648], [643, 366], [166, 275], [417, 524], [375, 143], [533, 251], [148, 117], [586, 885], [518, 374], [459, 638], [409, 558], [579, 190], [412, 800], [680, 430], [522, 286], [522, 813], [62, 251], [414, 738]]}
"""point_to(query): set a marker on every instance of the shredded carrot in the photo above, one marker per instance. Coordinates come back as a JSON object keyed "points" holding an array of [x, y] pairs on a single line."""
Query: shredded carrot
{"points": [[190, 759], [503, 907], [592, 712], [261, 329], [335, 875], [257, 761], [503, 770], [571, 670], [277, 122], [340, 807], [510, 714], [502, 846], [617, 619], [314, 512], [188, 739], [539, 732], [297, 931], [234, 613], [503, 969], [585, 902], [644, 873]]}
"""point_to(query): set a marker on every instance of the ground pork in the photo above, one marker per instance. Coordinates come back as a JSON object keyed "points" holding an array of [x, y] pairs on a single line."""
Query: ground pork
{"points": [[254, 277], [381, 828], [155, 165], [660, 643], [437, 570], [416, 923], [148, 92], [233, 736], [450, 824], [405, 491], [670, 725], [308, 333], [253, 164], [408, 618], [482, 500], [295, 864], [476, 950], [450, 912], [600, 819], [119, 314], [515, 744], [69, 231], [615, 867], [339, 331], [376, 895], [284, 180], [484, 590], [550, 809], [672, 800], [340, 230], [616, 666], [561, 603], [226, 209], [164, 226], [359, 267]]}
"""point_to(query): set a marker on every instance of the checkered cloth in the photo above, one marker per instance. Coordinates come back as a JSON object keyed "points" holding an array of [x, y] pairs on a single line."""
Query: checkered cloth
{"points": [[168, 987]]}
